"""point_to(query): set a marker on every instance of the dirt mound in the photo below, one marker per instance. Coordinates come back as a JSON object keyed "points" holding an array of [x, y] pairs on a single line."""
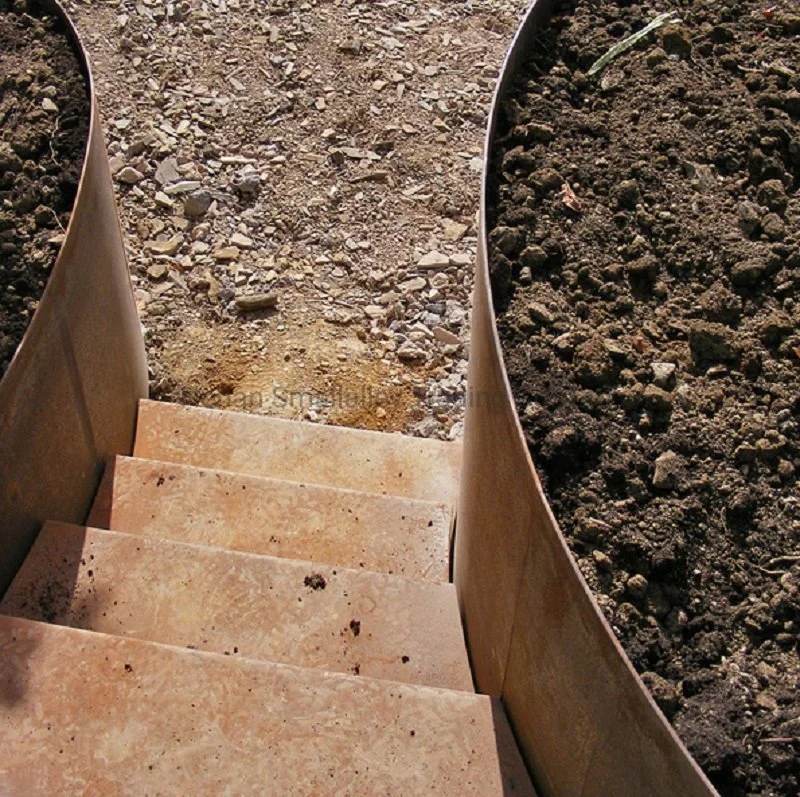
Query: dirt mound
{"points": [[645, 259], [44, 120]]}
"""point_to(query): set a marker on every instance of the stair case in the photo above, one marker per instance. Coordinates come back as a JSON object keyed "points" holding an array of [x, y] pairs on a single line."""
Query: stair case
{"points": [[255, 606]]}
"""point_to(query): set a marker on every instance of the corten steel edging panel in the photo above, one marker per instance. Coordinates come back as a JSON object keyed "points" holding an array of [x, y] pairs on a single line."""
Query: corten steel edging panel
{"points": [[69, 397], [583, 719]]}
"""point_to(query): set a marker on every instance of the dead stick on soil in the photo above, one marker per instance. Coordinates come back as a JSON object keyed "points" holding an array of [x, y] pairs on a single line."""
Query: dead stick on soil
{"points": [[626, 44], [56, 129], [770, 572], [782, 740], [57, 221], [793, 557]]}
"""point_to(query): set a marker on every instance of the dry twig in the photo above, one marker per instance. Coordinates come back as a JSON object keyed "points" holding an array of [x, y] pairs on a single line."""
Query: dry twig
{"points": [[619, 48]]}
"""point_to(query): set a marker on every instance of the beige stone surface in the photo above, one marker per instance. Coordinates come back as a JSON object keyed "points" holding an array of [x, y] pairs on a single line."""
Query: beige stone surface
{"points": [[86, 713], [243, 605], [312, 453], [386, 534]]}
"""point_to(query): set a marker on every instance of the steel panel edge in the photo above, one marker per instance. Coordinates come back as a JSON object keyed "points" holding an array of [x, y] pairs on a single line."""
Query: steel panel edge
{"points": [[584, 721], [68, 400]]}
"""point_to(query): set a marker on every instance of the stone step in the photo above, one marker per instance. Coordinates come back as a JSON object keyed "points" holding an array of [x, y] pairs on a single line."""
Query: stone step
{"points": [[245, 605], [257, 445], [82, 712], [352, 529]]}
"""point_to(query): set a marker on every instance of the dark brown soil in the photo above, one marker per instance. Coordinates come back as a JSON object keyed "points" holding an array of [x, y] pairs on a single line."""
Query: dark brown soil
{"points": [[645, 259], [44, 119]]}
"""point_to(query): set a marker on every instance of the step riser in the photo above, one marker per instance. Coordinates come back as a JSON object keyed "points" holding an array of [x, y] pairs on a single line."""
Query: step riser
{"points": [[304, 452], [244, 605], [86, 711], [278, 518]]}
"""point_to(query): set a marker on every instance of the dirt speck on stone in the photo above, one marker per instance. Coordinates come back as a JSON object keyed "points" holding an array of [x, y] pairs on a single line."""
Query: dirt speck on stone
{"points": [[315, 581]]}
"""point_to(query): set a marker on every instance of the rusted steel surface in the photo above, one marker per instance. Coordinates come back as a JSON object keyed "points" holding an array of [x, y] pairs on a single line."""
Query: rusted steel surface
{"points": [[68, 400], [585, 723]]}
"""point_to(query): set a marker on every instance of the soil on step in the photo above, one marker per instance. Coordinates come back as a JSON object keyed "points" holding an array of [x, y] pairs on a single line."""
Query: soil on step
{"points": [[645, 260], [44, 119]]}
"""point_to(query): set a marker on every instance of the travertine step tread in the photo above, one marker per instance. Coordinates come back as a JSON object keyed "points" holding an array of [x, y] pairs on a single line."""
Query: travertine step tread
{"points": [[243, 604], [85, 712], [257, 445], [353, 529]]}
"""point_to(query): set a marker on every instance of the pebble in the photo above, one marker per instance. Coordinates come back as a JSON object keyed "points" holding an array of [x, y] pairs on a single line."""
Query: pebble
{"points": [[351, 46], [454, 231], [663, 375], [445, 336], [157, 271], [162, 200], [668, 471], [227, 253], [197, 204], [129, 175], [242, 241], [182, 187], [748, 216], [461, 259], [164, 247], [433, 260], [411, 353], [167, 171], [413, 285]]}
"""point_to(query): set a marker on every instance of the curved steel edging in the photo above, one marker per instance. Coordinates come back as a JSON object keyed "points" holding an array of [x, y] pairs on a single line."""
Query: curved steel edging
{"points": [[584, 721], [68, 399]]}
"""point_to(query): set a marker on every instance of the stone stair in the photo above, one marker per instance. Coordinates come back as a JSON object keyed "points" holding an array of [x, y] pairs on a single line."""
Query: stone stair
{"points": [[386, 534], [255, 606], [371, 462]]}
